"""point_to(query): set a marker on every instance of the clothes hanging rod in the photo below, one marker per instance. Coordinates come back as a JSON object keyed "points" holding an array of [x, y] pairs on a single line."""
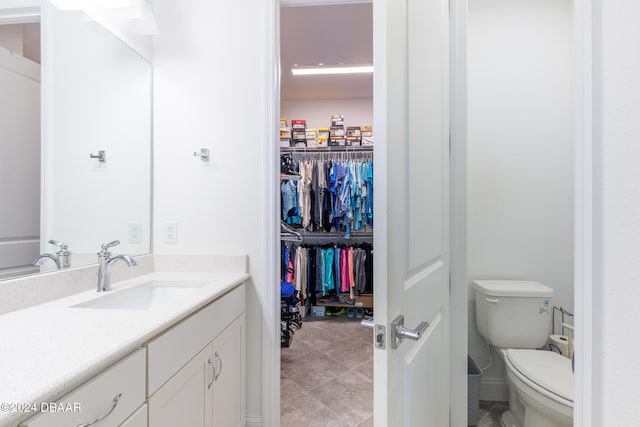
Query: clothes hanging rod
{"points": [[311, 236], [336, 149]]}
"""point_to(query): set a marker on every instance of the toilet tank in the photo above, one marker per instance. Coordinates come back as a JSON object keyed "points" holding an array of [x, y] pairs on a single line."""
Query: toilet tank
{"points": [[513, 313]]}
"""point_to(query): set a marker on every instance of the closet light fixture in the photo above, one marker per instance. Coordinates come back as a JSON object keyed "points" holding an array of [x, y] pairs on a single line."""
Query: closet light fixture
{"points": [[332, 69]]}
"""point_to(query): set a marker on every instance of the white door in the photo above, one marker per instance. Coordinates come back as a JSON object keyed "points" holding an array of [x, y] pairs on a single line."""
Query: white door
{"points": [[411, 198]]}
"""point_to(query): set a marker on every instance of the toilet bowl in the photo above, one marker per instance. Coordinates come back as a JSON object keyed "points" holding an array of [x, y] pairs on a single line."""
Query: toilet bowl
{"points": [[540, 389], [514, 316]]}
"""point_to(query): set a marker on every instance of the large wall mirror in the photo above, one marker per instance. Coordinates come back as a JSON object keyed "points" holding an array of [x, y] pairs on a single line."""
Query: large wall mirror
{"points": [[75, 140]]}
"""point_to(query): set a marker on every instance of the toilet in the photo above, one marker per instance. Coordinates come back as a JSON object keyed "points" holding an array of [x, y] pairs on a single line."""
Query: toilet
{"points": [[514, 316]]}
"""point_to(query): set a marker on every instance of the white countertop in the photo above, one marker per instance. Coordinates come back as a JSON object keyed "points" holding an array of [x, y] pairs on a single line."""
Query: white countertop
{"points": [[48, 350]]}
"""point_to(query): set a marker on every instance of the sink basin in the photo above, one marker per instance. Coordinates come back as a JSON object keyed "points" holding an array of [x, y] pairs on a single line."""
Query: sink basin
{"points": [[146, 296]]}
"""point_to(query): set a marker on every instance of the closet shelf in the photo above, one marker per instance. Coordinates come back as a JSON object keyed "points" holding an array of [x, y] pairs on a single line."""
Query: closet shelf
{"points": [[342, 305]]}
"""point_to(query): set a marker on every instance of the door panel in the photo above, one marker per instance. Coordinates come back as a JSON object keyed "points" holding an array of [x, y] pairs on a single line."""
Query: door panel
{"points": [[411, 113], [418, 365], [424, 99], [186, 399]]}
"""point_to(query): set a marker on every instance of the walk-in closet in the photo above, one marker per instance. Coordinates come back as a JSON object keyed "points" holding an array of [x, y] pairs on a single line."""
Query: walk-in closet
{"points": [[327, 165]]}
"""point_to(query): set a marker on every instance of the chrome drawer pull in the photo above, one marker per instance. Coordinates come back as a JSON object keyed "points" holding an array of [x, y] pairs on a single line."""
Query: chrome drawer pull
{"points": [[213, 376], [105, 415], [220, 370]]}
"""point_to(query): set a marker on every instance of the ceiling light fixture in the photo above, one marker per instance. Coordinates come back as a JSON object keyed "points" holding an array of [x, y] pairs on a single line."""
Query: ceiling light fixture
{"points": [[350, 69]]}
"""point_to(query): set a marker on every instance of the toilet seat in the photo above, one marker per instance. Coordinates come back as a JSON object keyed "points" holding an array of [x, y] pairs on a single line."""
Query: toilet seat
{"points": [[546, 372]]}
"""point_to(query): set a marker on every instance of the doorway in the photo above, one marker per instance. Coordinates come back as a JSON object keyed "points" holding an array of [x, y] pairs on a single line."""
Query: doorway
{"points": [[326, 273]]}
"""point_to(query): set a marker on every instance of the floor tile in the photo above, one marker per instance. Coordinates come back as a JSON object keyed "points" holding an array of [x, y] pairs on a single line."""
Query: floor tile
{"points": [[366, 369], [350, 396], [312, 369], [295, 412], [491, 412], [325, 418], [330, 358], [318, 337], [289, 389], [296, 349], [349, 352]]}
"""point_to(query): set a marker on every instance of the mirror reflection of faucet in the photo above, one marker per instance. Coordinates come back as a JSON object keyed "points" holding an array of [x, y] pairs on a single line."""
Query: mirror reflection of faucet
{"points": [[62, 258], [105, 264]]}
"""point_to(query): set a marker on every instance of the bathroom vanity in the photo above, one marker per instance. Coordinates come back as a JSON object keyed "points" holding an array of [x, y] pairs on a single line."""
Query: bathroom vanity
{"points": [[161, 349]]}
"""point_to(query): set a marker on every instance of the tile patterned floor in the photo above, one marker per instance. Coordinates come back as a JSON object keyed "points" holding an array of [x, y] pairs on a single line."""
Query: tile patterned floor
{"points": [[490, 413], [327, 375]]}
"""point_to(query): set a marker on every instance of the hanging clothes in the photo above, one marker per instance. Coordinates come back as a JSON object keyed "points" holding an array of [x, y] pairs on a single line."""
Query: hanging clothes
{"points": [[328, 269], [334, 196]]}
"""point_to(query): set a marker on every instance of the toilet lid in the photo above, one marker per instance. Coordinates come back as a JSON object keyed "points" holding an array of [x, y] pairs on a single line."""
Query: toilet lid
{"points": [[548, 369]]}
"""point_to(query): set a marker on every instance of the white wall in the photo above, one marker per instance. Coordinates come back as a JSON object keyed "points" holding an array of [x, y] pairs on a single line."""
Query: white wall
{"points": [[317, 113], [210, 91], [616, 199], [19, 160], [97, 96], [520, 152]]}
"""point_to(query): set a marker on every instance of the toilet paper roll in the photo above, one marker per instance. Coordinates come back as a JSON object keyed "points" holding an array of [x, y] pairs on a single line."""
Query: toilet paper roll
{"points": [[561, 342]]}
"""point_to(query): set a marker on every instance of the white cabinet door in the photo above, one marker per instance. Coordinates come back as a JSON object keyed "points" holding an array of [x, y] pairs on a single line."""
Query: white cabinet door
{"points": [[137, 419], [229, 350], [185, 400]]}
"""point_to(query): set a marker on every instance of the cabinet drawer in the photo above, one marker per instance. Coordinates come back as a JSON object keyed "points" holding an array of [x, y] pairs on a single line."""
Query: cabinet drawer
{"points": [[172, 350], [97, 397]]}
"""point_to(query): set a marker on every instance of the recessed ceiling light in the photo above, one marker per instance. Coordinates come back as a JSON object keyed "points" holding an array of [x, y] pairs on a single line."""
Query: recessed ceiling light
{"points": [[352, 69]]}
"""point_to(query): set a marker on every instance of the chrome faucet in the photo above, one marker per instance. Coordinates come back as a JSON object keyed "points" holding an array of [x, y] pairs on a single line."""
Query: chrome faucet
{"points": [[105, 263], [42, 258], [62, 258]]}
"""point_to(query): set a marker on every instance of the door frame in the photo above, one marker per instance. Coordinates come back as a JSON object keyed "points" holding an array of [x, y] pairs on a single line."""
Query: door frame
{"points": [[585, 409], [458, 292]]}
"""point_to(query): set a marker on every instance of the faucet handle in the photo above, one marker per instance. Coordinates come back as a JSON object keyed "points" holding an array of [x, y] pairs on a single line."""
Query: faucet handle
{"points": [[104, 252], [63, 246], [106, 246]]}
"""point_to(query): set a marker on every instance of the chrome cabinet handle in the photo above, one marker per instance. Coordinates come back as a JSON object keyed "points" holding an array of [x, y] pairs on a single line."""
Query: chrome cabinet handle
{"points": [[105, 415], [213, 376], [219, 370]]}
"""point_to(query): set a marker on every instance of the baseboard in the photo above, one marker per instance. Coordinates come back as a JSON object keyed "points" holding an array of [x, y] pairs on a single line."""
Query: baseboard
{"points": [[254, 421], [494, 389]]}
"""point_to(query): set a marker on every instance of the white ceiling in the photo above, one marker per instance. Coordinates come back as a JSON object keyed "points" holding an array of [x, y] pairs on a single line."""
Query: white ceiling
{"points": [[331, 35]]}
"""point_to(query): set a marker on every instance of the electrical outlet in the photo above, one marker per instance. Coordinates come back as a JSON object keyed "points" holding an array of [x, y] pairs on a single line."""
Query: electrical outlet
{"points": [[171, 232], [135, 230]]}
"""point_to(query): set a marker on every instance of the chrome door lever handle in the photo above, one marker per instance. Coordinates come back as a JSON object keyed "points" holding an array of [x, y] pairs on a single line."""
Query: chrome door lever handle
{"points": [[399, 332], [413, 334], [368, 323]]}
